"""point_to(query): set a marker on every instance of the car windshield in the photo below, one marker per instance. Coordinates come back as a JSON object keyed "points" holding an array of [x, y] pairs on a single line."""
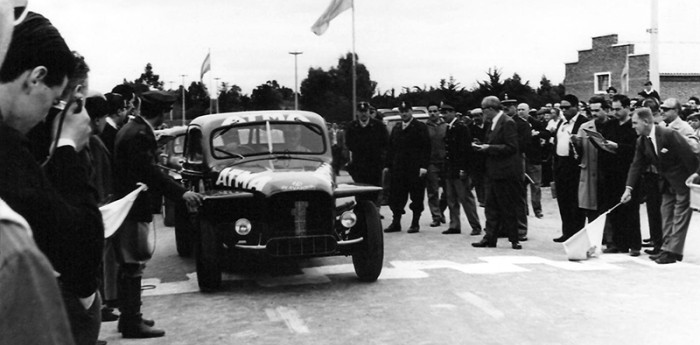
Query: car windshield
{"points": [[269, 137]]}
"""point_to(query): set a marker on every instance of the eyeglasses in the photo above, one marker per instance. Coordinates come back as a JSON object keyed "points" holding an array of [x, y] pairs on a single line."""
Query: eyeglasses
{"points": [[20, 11]]}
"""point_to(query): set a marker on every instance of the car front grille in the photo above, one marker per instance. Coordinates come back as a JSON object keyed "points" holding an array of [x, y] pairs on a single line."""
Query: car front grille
{"points": [[301, 246], [300, 214]]}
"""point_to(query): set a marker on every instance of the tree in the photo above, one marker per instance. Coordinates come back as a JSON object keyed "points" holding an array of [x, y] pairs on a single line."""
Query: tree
{"points": [[149, 78], [272, 96], [329, 93]]}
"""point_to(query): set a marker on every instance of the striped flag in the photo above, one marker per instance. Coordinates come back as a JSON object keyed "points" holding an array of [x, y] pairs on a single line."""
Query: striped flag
{"points": [[206, 66], [334, 9], [625, 77]]}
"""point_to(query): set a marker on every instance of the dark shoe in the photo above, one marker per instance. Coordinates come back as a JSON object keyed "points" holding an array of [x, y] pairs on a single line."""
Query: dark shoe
{"points": [[442, 219], [413, 229], [522, 238], [435, 223], [101, 342], [140, 330], [666, 258], [539, 214], [611, 250], [679, 257], [634, 252], [108, 315], [483, 244], [451, 231], [516, 246], [655, 251], [560, 239], [475, 232], [656, 256], [393, 227]]}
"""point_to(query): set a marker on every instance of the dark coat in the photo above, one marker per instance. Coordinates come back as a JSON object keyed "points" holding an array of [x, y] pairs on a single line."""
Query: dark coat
{"points": [[108, 136], [409, 149], [458, 142], [534, 150], [368, 145], [524, 133], [135, 160], [674, 159], [60, 206], [503, 160]]}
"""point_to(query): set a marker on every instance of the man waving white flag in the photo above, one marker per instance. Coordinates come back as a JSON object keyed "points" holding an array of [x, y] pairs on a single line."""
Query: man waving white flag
{"points": [[334, 9]]}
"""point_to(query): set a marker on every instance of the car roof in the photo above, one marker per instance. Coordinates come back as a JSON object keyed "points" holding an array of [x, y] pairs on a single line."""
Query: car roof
{"points": [[210, 122]]}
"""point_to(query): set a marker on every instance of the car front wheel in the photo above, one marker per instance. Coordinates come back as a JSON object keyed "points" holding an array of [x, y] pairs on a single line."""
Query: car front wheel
{"points": [[207, 256], [368, 258]]}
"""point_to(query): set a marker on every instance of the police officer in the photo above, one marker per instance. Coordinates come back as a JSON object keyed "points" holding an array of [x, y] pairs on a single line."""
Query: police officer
{"points": [[366, 139], [407, 162], [135, 161]]}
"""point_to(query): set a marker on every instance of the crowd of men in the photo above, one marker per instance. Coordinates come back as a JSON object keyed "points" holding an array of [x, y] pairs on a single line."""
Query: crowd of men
{"points": [[604, 157], [66, 150]]}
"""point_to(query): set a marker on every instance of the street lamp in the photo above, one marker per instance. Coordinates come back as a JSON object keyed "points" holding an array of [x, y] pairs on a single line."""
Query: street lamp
{"points": [[183, 98], [296, 88]]}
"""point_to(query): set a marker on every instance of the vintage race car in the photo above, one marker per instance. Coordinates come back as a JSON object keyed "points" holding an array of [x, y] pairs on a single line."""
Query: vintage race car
{"points": [[269, 189]]}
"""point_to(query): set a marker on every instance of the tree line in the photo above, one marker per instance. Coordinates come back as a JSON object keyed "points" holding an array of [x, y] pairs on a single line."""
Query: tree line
{"points": [[329, 92]]}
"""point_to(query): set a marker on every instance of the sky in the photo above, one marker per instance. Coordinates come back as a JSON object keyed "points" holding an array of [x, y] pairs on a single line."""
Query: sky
{"points": [[403, 43]]}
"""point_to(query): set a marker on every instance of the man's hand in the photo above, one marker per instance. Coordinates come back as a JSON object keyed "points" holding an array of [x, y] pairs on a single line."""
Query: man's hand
{"points": [[626, 196], [480, 147], [192, 200], [422, 172], [610, 145], [76, 126]]}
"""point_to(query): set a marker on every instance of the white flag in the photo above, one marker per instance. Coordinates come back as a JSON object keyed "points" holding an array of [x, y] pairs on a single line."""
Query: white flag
{"points": [[114, 213], [334, 9]]}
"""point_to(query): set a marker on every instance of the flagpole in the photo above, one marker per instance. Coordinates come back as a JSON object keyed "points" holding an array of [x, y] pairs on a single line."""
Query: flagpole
{"points": [[654, 43], [211, 80], [354, 67], [627, 63]]}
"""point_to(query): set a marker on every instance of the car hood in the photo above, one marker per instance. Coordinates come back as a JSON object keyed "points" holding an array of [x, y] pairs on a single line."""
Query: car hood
{"points": [[272, 176]]}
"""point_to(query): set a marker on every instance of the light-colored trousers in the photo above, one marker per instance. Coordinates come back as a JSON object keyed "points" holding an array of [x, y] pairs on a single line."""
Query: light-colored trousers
{"points": [[675, 219]]}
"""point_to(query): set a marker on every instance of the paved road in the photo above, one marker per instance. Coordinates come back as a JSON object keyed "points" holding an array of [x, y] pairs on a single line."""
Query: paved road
{"points": [[434, 289]]}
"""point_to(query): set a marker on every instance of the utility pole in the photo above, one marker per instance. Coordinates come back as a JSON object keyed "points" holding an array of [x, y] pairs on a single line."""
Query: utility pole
{"points": [[654, 45], [296, 83], [183, 98], [216, 82]]}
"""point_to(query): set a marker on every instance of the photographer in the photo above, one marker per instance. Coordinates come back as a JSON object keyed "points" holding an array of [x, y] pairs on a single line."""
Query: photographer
{"points": [[64, 217]]}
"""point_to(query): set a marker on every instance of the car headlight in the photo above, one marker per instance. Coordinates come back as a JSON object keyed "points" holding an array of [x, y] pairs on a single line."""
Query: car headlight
{"points": [[348, 219], [243, 226]]}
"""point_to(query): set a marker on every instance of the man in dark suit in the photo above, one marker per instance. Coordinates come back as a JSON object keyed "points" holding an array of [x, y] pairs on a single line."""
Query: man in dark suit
{"points": [[366, 139], [458, 141], [407, 162], [675, 161], [477, 166], [504, 173], [566, 169], [115, 119], [135, 161]]}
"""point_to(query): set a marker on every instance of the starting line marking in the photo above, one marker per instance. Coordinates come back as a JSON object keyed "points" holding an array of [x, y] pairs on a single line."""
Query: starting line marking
{"points": [[413, 270]]}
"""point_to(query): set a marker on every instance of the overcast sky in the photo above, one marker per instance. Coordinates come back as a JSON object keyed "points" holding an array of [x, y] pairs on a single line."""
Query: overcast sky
{"points": [[402, 42]]}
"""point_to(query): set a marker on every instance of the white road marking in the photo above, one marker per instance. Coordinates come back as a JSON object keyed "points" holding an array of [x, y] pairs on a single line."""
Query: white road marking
{"points": [[482, 304], [415, 270], [289, 316]]}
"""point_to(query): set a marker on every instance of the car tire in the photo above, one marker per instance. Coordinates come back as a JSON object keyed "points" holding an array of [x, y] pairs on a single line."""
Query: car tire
{"points": [[183, 231], [368, 257], [207, 257]]}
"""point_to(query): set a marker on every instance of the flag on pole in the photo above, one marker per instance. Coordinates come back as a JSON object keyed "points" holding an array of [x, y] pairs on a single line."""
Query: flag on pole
{"points": [[334, 9], [206, 66], [625, 76]]}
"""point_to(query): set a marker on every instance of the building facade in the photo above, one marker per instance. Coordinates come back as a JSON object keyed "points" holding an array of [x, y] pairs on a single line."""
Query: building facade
{"points": [[604, 65]]}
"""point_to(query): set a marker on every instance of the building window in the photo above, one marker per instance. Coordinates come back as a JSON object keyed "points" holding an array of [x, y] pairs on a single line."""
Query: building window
{"points": [[601, 82]]}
